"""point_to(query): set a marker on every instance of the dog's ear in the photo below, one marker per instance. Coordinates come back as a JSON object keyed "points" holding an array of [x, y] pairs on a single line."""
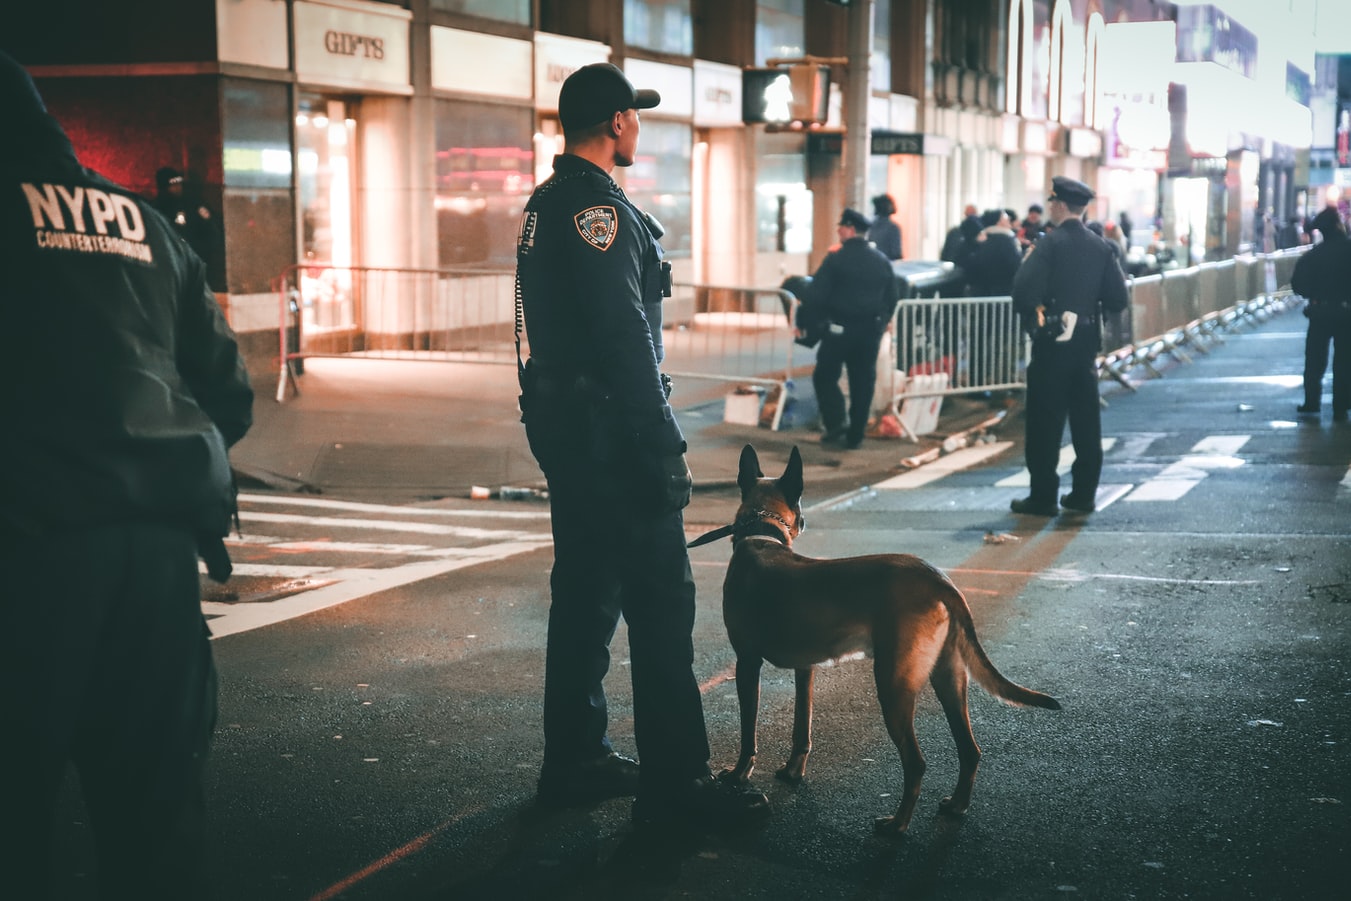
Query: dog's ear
{"points": [[749, 471], [790, 483]]}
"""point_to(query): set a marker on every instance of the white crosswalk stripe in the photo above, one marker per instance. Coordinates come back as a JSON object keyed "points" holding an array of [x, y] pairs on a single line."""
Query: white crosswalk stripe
{"points": [[281, 576], [1211, 453]]}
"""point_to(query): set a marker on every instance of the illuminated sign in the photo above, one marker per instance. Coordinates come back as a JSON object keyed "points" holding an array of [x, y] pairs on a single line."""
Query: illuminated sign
{"points": [[798, 93]]}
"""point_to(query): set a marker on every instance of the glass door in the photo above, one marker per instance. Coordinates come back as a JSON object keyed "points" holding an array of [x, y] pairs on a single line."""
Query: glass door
{"points": [[326, 176]]}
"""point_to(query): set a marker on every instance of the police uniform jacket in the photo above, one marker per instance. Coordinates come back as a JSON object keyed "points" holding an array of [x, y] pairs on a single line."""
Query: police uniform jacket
{"points": [[855, 287], [123, 384], [1070, 269], [1323, 275], [591, 289]]}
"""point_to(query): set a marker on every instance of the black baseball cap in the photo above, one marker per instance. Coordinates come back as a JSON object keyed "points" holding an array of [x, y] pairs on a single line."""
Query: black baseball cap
{"points": [[596, 92]]}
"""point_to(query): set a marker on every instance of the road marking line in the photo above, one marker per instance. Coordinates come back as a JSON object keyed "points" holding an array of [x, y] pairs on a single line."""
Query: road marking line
{"points": [[290, 500], [387, 525], [1069, 574], [232, 619], [1023, 480], [280, 571], [946, 465], [1175, 480]]}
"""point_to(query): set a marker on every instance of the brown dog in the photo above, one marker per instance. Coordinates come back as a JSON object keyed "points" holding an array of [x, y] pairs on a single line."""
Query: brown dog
{"points": [[797, 612]]}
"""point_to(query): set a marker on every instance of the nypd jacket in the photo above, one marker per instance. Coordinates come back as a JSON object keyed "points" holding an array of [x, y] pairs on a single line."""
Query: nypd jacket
{"points": [[855, 287], [1071, 269], [591, 290], [123, 385]]}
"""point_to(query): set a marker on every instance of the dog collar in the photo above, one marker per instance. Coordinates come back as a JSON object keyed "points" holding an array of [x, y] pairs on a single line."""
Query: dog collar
{"points": [[752, 524]]}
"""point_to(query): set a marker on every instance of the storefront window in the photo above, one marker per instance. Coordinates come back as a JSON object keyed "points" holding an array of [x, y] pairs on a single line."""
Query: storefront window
{"points": [[484, 177], [662, 25], [258, 209], [779, 29], [658, 182], [517, 11], [326, 169], [783, 205], [881, 58]]}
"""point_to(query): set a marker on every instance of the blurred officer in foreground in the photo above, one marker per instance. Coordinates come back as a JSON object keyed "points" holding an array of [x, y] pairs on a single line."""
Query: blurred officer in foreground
{"points": [[591, 279], [1323, 276], [1068, 280], [853, 293], [123, 391]]}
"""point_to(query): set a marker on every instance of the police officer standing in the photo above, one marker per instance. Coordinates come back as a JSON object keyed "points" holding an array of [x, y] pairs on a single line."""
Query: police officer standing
{"points": [[1323, 276], [193, 221], [591, 281], [120, 400], [854, 294], [1069, 279]]}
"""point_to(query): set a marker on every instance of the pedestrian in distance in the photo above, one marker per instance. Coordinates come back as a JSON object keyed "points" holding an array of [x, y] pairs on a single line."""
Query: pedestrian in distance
{"points": [[1033, 228], [114, 478], [961, 238], [595, 406], [884, 233], [1066, 284], [995, 259], [853, 294], [989, 273], [1323, 276]]}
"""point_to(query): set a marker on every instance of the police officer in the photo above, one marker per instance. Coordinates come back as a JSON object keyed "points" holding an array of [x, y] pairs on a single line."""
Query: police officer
{"points": [[119, 403], [193, 221], [854, 291], [1323, 275], [1061, 291], [591, 281]]}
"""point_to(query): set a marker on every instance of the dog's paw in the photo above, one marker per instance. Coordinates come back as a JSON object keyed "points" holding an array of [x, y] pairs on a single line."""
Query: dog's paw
{"points": [[728, 775], [952, 808], [889, 827]]}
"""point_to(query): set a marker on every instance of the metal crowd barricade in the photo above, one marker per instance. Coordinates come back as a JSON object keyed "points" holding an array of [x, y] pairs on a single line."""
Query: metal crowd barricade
{"points": [[719, 333], [1189, 310], [463, 315], [975, 341], [734, 334]]}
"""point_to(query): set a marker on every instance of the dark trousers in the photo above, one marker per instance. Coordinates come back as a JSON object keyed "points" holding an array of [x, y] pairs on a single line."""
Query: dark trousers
{"points": [[1062, 385], [613, 556], [108, 665], [854, 351], [1325, 330]]}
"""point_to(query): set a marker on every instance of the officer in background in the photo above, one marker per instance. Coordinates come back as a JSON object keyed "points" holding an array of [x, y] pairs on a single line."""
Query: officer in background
{"points": [[120, 400], [1323, 275], [591, 281], [1061, 291], [854, 293], [193, 221]]}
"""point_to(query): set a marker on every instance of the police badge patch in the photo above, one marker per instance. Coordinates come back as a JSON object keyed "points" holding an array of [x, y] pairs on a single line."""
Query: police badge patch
{"points": [[598, 225]]}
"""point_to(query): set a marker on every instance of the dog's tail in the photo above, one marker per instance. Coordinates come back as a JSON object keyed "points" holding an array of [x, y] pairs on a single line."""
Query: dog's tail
{"points": [[982, 669]]}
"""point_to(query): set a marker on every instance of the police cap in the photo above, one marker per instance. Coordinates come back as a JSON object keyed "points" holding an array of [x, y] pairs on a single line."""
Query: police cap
{"points": [[855, 220], [596, 92], [1070, 192]]}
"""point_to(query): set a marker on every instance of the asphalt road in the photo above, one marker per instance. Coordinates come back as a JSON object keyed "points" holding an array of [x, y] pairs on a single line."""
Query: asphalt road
{"points": [[1195, 629]]}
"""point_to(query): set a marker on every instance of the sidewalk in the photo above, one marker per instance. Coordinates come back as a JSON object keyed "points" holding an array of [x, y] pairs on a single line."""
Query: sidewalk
{"points": [[397, 431]]}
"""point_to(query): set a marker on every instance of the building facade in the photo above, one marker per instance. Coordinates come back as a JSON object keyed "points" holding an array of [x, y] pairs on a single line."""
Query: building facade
{"points": [[339, 134]]}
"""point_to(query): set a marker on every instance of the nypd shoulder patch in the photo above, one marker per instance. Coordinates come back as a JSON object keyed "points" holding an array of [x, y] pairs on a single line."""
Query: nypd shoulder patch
{"points": [[597, 225]]}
